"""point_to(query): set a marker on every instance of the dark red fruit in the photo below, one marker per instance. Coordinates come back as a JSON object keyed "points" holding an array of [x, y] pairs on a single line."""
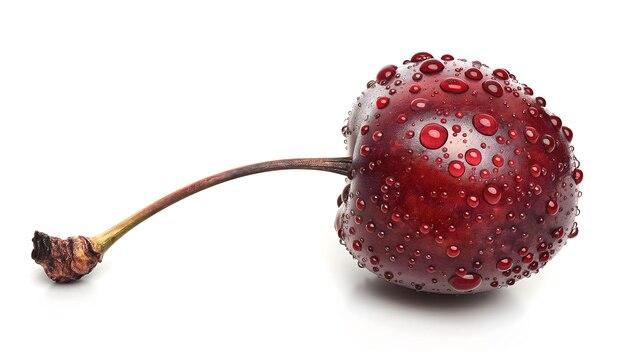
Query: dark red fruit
{"points": [[474, 185]]}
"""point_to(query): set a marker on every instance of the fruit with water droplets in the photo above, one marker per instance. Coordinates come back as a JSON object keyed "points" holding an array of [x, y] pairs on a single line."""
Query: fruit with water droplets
{"points": [[475, 178], [460, 181]]}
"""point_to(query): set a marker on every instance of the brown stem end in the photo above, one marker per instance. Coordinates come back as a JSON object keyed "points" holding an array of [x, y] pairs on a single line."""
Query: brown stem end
{"points": [[65, 260]]}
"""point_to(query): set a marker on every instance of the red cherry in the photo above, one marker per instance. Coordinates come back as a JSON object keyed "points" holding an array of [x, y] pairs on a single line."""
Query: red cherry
{"points": [[473, 177]]}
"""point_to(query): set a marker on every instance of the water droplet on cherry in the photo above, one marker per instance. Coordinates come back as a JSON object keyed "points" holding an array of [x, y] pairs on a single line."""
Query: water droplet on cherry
{"points": [[433, 136]]}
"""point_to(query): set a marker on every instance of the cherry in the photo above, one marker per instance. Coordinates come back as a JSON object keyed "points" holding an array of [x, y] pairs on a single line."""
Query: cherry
{"points": [[490, 184], [459, 181]]}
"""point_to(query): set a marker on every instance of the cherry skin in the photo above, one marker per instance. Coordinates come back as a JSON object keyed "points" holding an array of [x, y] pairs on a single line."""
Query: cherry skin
{"points": [[462, 181]]}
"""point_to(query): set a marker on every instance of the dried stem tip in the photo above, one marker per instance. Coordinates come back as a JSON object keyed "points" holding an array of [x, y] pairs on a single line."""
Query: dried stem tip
{"points": [[65, 260]]}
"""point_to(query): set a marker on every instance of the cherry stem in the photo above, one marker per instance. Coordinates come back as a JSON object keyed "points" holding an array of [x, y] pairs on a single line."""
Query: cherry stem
{"points": [[106, 239]]}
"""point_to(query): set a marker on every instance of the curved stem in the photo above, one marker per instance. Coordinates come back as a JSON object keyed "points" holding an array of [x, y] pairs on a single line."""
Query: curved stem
{"points": [[335, 165]]}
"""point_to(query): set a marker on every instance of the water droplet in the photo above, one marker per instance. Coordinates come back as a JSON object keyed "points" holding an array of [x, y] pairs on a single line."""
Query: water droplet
{"points": [[568, 134], [497, 160], [558, 233], [485, 124], [528, 258], [577, 175], [531, 135], [456, 168], [453, 251], [474, 74], [431, 269], [415, 88], [431, 66], [386, 72], [356, 245], [574, 232], [504, 264], [465, 283], [523, 251], [409, 134], [433, 136], [401, 118], [382, 102], [552, 207], [447, 57], [360, 203], [548, 143], [377, 135], [473, 157], [421, 56], [365, 129], [365, 150], [501, 73], [472, 201], [388, 275], [417, 76], [535, 170], [556, 122], [542, 247], [454, 85], [374, 260], [528, 91], [493, 88], [492, 194], [419, 104]]}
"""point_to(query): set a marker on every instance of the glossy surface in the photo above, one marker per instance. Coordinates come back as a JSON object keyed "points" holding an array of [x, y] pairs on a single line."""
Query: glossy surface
{"points": [[462, 180]]}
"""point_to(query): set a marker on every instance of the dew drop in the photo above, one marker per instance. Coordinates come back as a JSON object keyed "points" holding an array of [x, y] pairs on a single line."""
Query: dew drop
{"points": [[556, 122], [365, 150], [433, 136], [558, 233], [474, 74], [501, 73], [417, 76], [504, 264], [473, 157], [574, 232], [541, 101], [454, 85], [456, 168], [453, 251], [377, 135], [568, 133], [497, 160], [492, 194], [388, 275], [465, 283], [419, 104], [535, 170], [356, 245], [360, 203], [386, 72], [552, 207], [577, 175], [485, 124], [414, 89], [431, 66], [401, 118], [493, 88], [447, 57], [472, 201], [421, 56], [365, 129], [531, 135], [548, 143], [382, 102]]}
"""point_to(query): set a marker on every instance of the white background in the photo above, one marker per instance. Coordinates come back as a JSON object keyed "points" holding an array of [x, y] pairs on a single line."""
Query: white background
{"points": [[106, 106]]}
